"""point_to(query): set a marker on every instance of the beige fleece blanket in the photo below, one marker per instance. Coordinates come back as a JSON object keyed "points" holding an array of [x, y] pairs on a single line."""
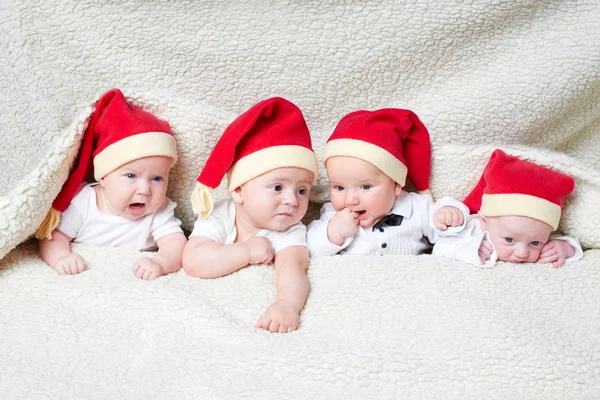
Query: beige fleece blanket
{"points": [[522, 76]]}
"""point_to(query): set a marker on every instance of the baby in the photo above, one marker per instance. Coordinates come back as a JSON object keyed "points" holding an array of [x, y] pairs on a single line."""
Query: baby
{"points": [[367, 158], [518, 206], [270, 165], [130, 153]]}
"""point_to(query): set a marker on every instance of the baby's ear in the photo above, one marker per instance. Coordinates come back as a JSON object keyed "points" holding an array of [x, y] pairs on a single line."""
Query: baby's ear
{"points": [[397, 189], [236, 195]]}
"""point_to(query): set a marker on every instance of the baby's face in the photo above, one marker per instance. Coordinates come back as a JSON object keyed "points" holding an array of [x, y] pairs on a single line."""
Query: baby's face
{"points": [[137, 188], [361, 187], [277, 199], [517, 239]]}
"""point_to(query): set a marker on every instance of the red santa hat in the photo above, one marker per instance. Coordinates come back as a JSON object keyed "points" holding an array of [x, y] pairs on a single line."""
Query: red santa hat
{"points": [[272, 134], [117, 134], [392, 139], [510, 186]]}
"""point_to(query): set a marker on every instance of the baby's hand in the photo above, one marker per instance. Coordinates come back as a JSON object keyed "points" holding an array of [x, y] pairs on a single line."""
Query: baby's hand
{"points": [[148, 269], [281, 316], [556, 252], [70, 264], [343, 224], [260, 249], [446, 217], [485, 251]]}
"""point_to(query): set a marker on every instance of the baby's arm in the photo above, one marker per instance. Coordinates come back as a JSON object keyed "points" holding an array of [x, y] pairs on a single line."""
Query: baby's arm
{"points": [[447, 217], [291, 285], [166, 260], [471, 245], [56, 252], [205, 258]]}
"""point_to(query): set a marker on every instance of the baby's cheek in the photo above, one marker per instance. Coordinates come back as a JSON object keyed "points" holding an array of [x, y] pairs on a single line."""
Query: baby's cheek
{"points": [[504, 253], [535, 254], [337, 203]]}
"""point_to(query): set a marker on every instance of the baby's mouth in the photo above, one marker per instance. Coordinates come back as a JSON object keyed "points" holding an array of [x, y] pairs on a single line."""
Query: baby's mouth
{"points": [[361, 214], [136, 207]]}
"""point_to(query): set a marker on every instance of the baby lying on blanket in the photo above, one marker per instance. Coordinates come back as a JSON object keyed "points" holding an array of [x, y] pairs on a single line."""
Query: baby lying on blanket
{"points": [[367, 158], [267, 156], [519, 206], [130, 153]]}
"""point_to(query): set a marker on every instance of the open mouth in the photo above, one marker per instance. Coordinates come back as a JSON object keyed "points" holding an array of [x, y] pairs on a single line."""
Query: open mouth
{"points": [[361, 214], [136, 208]]}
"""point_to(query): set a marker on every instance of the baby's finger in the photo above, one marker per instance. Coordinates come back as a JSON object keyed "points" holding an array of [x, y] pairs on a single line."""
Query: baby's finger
{"points": [[451, 219], [140, 272], [283, 328], [558, 263], [147, 274], [548, 247], [274, 326], [263, 322], [439, 225], [548, 253], [80, 265], [60, 269], [488, 246], [69, 268], [545, 260], [135, 267]]}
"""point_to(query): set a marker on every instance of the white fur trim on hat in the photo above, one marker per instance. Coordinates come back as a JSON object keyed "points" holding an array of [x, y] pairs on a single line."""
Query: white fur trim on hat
{"points": [[268, 159], [379, 157], [496, 205], [132, 148]]}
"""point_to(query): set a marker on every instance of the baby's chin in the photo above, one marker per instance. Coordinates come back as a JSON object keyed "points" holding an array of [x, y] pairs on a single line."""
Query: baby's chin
{"points": [[280, 226]]}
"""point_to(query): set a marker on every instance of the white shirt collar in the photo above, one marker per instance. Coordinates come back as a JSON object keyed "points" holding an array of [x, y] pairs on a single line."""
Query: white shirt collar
{"points": [[403, 205]]}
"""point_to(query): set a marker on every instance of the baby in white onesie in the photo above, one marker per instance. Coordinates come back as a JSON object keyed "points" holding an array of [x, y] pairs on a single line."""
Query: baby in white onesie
{"points": [[130, 153], [516, 206], [267, 156]]}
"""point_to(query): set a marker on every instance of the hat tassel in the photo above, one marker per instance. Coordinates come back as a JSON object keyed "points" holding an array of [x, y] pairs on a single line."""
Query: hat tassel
{"points": [[49, 223], [202, 200]]}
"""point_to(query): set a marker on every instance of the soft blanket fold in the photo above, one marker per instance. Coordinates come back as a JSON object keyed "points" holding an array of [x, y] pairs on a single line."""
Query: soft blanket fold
{"points": [[388, 327]]}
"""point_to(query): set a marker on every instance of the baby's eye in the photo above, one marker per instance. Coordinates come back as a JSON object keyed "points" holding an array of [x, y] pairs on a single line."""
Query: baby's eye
{"points": [[509, 240], [536, 243], [339, 188], [277, 188], [365, 187], [130, 176], [157, 179], [302, 191]]}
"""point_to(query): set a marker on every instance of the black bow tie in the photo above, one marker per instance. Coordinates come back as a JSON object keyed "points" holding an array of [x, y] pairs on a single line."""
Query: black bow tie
{"points": [[390, 219]]}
